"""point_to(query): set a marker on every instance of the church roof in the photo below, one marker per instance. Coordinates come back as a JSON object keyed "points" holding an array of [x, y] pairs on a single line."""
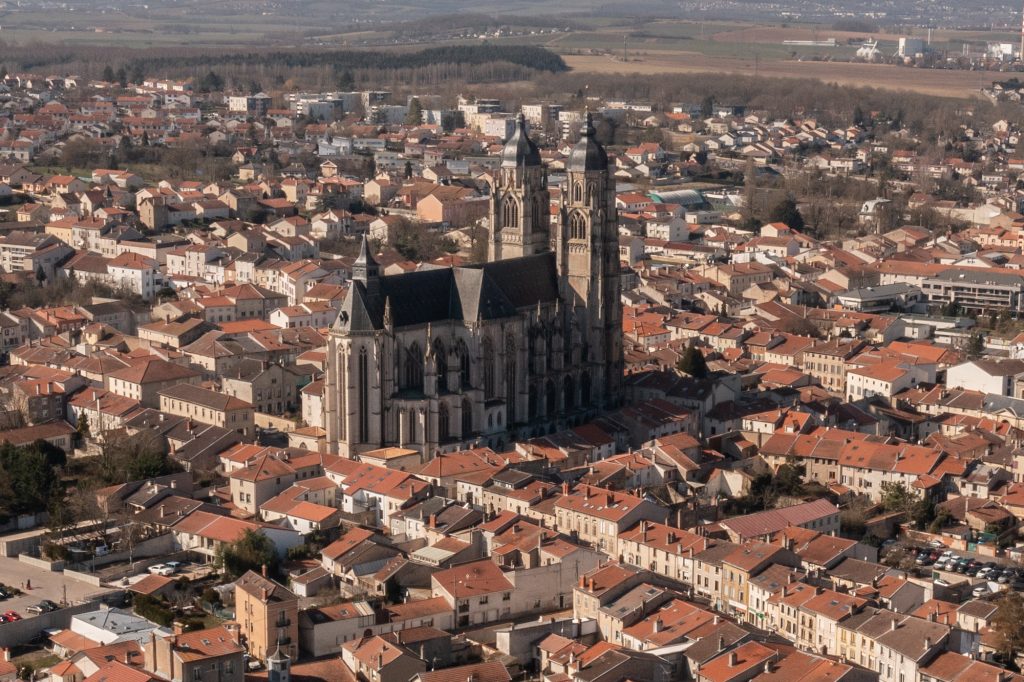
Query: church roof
{"points": [[520, 150], [489, 291], [588, 154]]}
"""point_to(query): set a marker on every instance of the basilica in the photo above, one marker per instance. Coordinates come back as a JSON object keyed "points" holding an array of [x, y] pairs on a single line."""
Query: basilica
{"points": [[530, 342]]}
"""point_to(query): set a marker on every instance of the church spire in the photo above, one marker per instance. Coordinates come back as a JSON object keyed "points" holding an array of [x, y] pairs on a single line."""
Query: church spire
{"points": [[366, 269]]}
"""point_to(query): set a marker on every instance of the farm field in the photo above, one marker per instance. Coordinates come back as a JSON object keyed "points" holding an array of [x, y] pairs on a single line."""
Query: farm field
{"points": [[960, 84]]}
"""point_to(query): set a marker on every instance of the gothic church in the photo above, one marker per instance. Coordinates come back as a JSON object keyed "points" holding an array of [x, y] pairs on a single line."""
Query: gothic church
{"points": [[530, 342]]}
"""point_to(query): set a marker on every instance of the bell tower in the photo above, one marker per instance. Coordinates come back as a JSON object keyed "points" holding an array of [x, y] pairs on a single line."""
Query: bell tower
{"points": [[520, 213], [586, 245]]}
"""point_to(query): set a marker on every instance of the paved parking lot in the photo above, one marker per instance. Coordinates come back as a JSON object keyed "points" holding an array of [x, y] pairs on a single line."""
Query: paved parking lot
{"points": [[45, 585]]}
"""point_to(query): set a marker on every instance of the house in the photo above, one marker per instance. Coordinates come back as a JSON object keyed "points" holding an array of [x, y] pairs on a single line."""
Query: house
{"points": [[268, 616], [145, 380], [209, 407], [208, 655]]}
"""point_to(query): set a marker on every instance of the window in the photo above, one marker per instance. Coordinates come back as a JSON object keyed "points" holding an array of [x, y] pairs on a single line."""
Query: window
{"points": [[488, 368], [577, 226]]}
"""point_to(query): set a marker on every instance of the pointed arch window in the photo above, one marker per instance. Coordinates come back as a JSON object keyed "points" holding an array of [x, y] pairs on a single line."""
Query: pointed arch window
{"points": [[509, 212], [441, 361], [467, 418], [488, 368], [364, 396], [577, 226], [463, 354], [510, 378], [443, 425], [413, 370]]}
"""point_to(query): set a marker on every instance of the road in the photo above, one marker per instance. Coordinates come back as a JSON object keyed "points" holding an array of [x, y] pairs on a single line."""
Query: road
{"points": [[45, 585]]}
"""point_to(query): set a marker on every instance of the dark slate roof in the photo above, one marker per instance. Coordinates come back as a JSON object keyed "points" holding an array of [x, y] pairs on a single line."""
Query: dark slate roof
{"points": [[588, 154], [485, 292], [520, 150]]}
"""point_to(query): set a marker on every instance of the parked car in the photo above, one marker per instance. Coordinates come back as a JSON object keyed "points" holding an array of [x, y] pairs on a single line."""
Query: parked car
{"points": [[162, 569], [44, 606], [12, 616], [980, 591]]}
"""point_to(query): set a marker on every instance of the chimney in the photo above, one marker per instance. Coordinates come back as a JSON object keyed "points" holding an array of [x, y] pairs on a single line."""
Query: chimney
{"points": [[565, 487], [894, 624], [732, 659], [716, 619], [178, 627], [127, 657], [380, 661], [657, 625], [263, 570], [721, 643], [264, 594], [927, 643], [432, 521], [163, 510], [7, 654], [583, 582], [235, 630], [931, 616]]}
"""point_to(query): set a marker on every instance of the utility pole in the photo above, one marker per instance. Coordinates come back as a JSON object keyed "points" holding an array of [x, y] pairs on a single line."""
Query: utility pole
{"points": [[1021, 53], [624, 39]]}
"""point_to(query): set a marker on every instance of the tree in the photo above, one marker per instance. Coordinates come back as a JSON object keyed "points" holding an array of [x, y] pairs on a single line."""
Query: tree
{"points": [[414, 116], [134, 458], [693, 362], [707, 107], [976, 345], [108, 74], [408, 169], [122, 77], [858, 116], [787, 213], [789, 479], [896, 497], [250, 552], [1008, 623], [82, 427]]}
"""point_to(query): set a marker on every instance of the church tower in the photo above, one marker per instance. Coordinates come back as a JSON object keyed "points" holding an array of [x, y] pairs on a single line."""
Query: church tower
{"points": [[586, 248], [520, 215]]}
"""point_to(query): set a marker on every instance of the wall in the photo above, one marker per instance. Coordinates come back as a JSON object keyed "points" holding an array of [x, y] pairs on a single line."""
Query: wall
{"points": [[89, 578], [264, 420], [46, 565], [520, 640], [22, 631]]}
